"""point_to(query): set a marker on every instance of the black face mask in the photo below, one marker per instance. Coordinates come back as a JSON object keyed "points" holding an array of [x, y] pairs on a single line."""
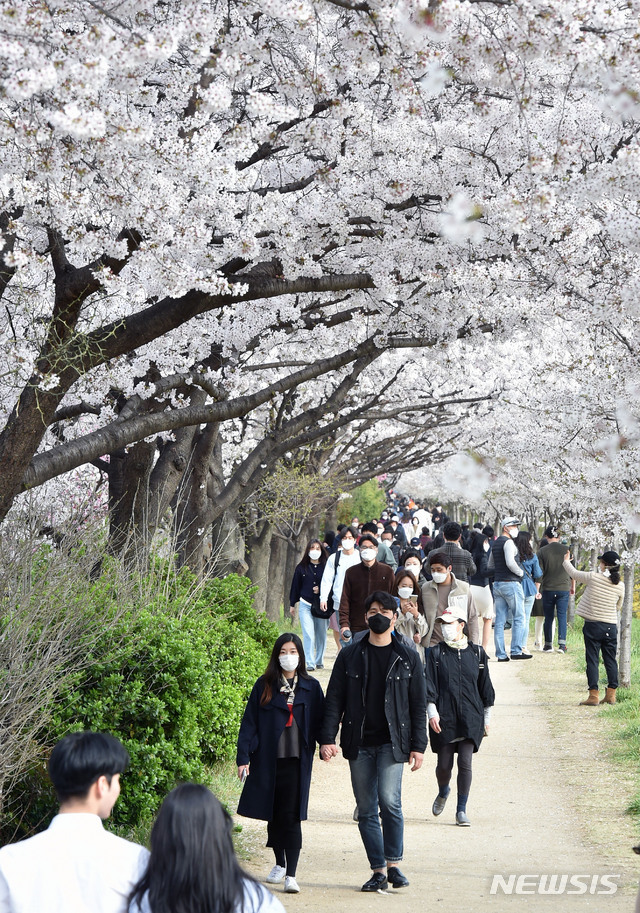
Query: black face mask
{"points": [[379, 623]]}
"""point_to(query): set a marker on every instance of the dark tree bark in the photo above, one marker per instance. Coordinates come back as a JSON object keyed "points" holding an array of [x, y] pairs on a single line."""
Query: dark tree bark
{"points": [[276, 580], [258, 554]]}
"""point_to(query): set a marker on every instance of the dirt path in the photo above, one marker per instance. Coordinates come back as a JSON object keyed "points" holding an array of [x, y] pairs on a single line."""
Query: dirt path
{"points": [[543, 802]]}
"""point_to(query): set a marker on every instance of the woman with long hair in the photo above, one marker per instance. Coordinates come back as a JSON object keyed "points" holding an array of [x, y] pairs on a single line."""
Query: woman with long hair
{"points": [[193, 867], [305, 590], [276, 745], [530, 581], [479, 584], [599, 606]]}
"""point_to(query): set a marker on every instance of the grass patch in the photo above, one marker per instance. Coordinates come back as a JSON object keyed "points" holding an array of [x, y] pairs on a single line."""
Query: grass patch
{"points": [[222, 780], [620, 723]]}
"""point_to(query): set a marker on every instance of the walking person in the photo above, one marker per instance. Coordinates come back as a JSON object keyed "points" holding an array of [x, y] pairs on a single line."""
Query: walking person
{"points": [[599, 606], [193, 866], [530, 581], [359, 582], [276, 744], [556, 588], [479, 585], [507, 590], [305, 590], [411, 619], [376, 694], [346, 556], [445, 591], [459, 701]]}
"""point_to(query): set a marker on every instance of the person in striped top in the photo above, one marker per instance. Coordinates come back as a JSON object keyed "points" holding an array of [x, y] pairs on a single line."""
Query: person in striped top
{"points": [[599, 606]]}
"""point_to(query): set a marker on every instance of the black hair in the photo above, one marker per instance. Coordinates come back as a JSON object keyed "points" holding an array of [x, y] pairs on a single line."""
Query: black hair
{"points": [[410, 553], [389, 529], [192, 866], [370, 527], [523, 544], [488, 531], [329, 536], [477, 526], [451, 530], [425, 531], [348, 529], [400, 574], [81, 758], [386, 600], [273, 671], [368, 537], [306, 560], [476, 545], [436, 557]]}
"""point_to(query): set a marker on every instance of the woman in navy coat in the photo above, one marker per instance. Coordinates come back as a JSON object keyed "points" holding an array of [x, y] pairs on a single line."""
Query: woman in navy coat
{"points": [[276, 745]]}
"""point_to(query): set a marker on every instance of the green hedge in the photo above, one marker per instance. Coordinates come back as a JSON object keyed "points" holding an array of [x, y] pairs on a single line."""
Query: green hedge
{"points": [[170, 681]]}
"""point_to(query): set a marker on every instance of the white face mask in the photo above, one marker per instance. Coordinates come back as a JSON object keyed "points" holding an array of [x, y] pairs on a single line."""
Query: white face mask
{"points": [[438, 576], [405, 591], [486, 546], [314, 554], [450, 632], [513, 532], [289, 661], [414, 568], [347, 544], [368, 554]]}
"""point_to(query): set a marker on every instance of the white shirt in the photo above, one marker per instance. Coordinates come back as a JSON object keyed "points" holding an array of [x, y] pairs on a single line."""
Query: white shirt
{"points": [[257, 899], [75, 866], [333, 580]]}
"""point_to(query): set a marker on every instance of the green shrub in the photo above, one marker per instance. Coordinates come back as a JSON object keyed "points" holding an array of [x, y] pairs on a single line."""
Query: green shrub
{"points": [[170, 681]]}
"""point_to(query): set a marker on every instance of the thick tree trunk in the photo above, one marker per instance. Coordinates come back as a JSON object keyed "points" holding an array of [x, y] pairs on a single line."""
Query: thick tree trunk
{"points": [[276, 578], [129, 474], [258, 552], [227, 547], [624, 640], [192, 512], [575, 558]]}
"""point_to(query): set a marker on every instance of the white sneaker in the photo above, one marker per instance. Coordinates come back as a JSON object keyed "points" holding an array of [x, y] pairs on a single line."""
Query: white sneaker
{"points": [[291, 885], [276, 874]]}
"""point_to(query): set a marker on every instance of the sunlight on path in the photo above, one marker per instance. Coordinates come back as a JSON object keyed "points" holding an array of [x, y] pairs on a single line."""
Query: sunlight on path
{"points": [[523, 823]]}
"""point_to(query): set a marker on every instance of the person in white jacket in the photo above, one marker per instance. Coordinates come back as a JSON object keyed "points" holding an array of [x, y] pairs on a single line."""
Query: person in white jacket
{"points": [[333, 576], [75, 865]]}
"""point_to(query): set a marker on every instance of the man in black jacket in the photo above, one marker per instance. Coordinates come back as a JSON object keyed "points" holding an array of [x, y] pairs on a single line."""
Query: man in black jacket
{"points": [[377, 692]]}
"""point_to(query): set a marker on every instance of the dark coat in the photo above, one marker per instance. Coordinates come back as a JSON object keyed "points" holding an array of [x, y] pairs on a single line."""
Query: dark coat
{"points": [[458, 683], [405, 704], [258, 739]]}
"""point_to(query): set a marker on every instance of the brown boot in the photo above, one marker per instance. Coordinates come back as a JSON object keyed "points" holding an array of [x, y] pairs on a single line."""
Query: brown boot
{"points": [[609, 697], [593, 700]]}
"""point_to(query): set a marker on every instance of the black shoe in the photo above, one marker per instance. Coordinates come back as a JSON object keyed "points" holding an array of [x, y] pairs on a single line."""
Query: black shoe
{"points": [[503, 659], [507, 626], [377, 882], [396, 878], [521, 656]]}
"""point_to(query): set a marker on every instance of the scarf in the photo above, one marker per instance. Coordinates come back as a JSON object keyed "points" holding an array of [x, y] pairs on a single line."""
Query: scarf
{"points": [[290, 691], [459, 644]]}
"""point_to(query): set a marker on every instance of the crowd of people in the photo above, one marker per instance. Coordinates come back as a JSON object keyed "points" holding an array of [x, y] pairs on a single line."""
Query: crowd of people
{"points": [[412, 606]]}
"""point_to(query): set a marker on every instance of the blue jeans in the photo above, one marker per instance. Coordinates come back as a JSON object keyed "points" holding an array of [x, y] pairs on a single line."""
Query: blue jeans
{"points": [[376, 778], [557, 600], [314, 634], [508, 594], [528, 606]]}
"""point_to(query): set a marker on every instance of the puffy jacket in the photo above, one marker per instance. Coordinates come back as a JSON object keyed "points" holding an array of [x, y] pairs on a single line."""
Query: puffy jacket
{"points": [[405, 702], [458, 683]]}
